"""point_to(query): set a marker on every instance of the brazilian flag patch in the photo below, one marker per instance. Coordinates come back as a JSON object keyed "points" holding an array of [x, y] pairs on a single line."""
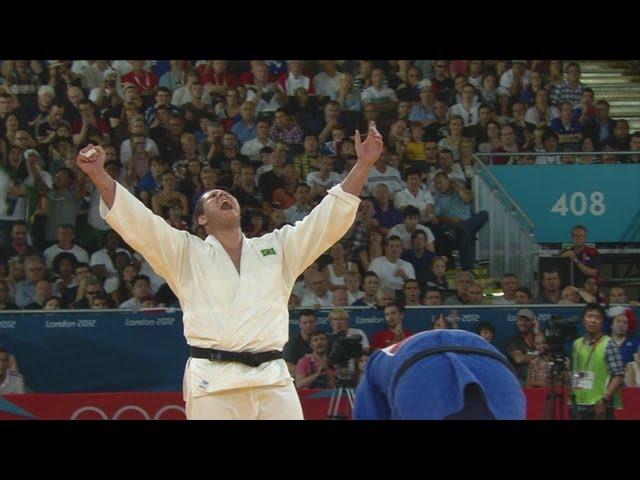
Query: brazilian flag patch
{"points": [[267, 251]]}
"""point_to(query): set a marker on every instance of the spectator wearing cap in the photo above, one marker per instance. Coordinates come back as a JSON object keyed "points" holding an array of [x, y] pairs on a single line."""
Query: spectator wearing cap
{"points": [[520, 348]]}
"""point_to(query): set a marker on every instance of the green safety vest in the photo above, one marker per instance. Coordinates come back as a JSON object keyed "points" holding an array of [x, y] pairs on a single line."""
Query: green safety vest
{"points": [[590, 358]]}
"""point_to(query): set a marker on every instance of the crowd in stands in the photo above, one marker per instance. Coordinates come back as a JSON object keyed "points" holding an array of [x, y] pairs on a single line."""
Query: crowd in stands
{"points": [[277, 135]]}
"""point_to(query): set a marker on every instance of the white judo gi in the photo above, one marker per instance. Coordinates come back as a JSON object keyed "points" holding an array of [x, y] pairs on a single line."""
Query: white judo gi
{"points": [[222, 309]]}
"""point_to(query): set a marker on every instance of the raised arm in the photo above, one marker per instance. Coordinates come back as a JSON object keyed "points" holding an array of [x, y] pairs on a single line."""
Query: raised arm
{"points": [[162, 245], [331, 219]]}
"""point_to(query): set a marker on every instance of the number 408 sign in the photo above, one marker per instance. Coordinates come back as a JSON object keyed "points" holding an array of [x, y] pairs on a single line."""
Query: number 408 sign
{"points": [[578, 204]]}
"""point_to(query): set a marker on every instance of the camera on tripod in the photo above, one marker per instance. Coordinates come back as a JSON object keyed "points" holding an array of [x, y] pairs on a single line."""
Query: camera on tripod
{"points": [[344, 349], [558, 331]]}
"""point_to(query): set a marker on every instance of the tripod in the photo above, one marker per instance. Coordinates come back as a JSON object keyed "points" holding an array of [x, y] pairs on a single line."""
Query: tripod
{"points": [[342, 390], [554, 403]]}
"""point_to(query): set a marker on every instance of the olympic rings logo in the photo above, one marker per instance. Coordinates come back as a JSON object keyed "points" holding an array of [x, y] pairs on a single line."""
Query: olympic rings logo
{"points": [[116, 416]]}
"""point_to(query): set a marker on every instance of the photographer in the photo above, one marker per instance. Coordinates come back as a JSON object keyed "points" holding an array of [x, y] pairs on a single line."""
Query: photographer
{"points": [[597, 370], [521, 348]]}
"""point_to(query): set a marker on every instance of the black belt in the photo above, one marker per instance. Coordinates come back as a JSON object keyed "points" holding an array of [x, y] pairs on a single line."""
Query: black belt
{"points": [[248, 358]]}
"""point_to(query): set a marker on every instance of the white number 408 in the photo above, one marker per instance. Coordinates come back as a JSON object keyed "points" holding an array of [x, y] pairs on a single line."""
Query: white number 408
{"points": [[578, 204]]}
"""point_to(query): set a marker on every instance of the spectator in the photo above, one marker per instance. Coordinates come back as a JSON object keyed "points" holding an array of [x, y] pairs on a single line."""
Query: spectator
{"points": [[339, 321], [539, 371], [493, 138], [452, 140], [597, 370], [586, 111], [568, 129], [405, 230], [394, 331], [370, 286], [514, 80], [99, 302], [600, 127], [284, 129], [175, 77], [622, 322], [216, 79], [541, 114], [441, 83], [167, 194], [415, 195], [141, 288], [467, 109], [571, 89], [550, 141], [312, 370], [440, 323], [619, 140], [478, 130], [251, 148], [423, 111], [550, 287], [509, 286], [411, 293], [384, 98], [452, 209], [439, 128], [328, 81], [336, 270], [448, 166], [352, 284], [419, 256], [521, 127], [18, 245], [489, 91], [183, 94], [11, 382], [463, 281], [45, 129], [530, 90], [298, 345], [267, 95], [487, 331], [382, 173], [101, 261], [323, 179], [320, 295], [340, 297], [586, 259], [64, 265], [634, 146], [432, 298], [592, 287], [508, 144], [475, 295], [347, 95], [295, 78], [435, 278], [302, 205], [25, 291], [391, 270], [523, 296], [66, 237], [6, 302]]}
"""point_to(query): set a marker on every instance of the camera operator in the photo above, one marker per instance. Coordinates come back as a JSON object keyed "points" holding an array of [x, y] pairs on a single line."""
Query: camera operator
{"points": [[339, 321], [312, 370], [597, 370], [521, 349]]}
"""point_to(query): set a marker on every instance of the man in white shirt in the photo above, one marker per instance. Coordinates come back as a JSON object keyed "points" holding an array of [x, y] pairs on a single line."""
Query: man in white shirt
{"points": [[233, 290], [391, 270], [320, 295], [327, 81], [301, 208], [509, 285], [405, 230], [384, 98], [66, 236], [416, 195], [251, 148], [141, 288], [383, 173], [323, 179]]}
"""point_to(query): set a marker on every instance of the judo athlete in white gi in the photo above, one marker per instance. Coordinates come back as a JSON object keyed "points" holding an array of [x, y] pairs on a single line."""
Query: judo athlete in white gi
{"points": [[234, 290]]}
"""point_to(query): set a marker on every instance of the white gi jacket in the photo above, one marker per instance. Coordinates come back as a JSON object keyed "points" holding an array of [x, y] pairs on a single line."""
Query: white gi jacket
{"points": [[221, 309]]}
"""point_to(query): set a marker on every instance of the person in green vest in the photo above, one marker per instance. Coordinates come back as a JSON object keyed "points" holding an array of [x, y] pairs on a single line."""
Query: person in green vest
{"points": [[597, 371]]}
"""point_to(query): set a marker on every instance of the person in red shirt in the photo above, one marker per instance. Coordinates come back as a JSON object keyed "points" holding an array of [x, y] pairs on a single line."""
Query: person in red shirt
{"points": [[586, 259], [216, 79], [145, 82], [395, 332]]}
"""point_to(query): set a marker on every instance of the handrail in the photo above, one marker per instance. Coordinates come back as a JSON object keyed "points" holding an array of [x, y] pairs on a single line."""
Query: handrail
{"points": [[488, 172], [549, 154]]}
